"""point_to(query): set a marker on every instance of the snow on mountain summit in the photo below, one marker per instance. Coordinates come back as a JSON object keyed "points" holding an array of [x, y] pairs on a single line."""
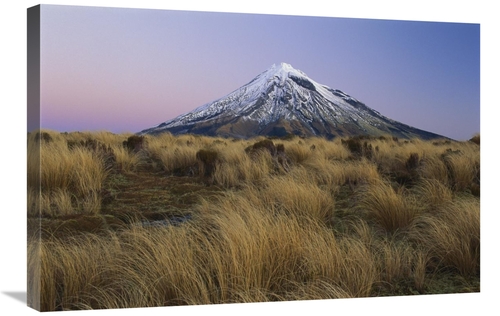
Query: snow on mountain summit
{"points": [[284, 100]]}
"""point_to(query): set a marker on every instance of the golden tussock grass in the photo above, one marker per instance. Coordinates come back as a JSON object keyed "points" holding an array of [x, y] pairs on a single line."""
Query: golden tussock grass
{"points": [[57, 202], [463, 168], [57, 173], [338, 173], [432, 193], [434, 167], [274, 251], [175, 157], [451, 236], [298, 153], [313, 221], [299, 198], [389, 208], [235, 167], [329, 149], [251, 256], [126, 160]]}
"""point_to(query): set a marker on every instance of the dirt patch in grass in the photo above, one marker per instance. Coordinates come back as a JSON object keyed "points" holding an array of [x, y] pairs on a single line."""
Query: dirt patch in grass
{"points": [[128, 198], [149, 192]]}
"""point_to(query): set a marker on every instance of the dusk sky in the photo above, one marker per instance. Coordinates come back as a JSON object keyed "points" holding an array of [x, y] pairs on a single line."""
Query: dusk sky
{"points": [[125, 70]]}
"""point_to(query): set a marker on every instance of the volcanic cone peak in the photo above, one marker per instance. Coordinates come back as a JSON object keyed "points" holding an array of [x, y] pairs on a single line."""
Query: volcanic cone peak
{"points": [[283, 70], [283, 100]]}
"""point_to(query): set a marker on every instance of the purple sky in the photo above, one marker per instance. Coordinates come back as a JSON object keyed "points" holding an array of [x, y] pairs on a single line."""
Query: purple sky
{"points": [[131, 69]]}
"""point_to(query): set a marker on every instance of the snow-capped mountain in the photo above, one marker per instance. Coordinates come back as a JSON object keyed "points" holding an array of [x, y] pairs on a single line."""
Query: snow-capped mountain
{"points": [[283, 100]]}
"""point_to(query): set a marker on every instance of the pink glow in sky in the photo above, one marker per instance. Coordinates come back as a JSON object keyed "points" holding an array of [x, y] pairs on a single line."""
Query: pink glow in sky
{"points": [[125, 70]]}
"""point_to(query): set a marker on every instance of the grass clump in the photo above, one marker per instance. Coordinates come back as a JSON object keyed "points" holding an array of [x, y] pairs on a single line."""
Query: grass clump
{"points": [[134, 143], [60, 177], [451, 236], [207, 161], [265, 144], [463, 168], [359, 147], [476, 139], [176, 159], [390, 209]]}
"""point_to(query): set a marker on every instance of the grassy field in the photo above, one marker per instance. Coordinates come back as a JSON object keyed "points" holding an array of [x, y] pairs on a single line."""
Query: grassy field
{"points": [[117, 221]]}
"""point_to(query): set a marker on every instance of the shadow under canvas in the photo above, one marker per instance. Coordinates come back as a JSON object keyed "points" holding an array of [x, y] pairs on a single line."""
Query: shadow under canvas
{"points": [[19, 296]]}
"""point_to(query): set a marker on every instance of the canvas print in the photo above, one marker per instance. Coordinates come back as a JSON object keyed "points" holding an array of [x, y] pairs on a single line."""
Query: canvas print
{"points": [[193, 158]]}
